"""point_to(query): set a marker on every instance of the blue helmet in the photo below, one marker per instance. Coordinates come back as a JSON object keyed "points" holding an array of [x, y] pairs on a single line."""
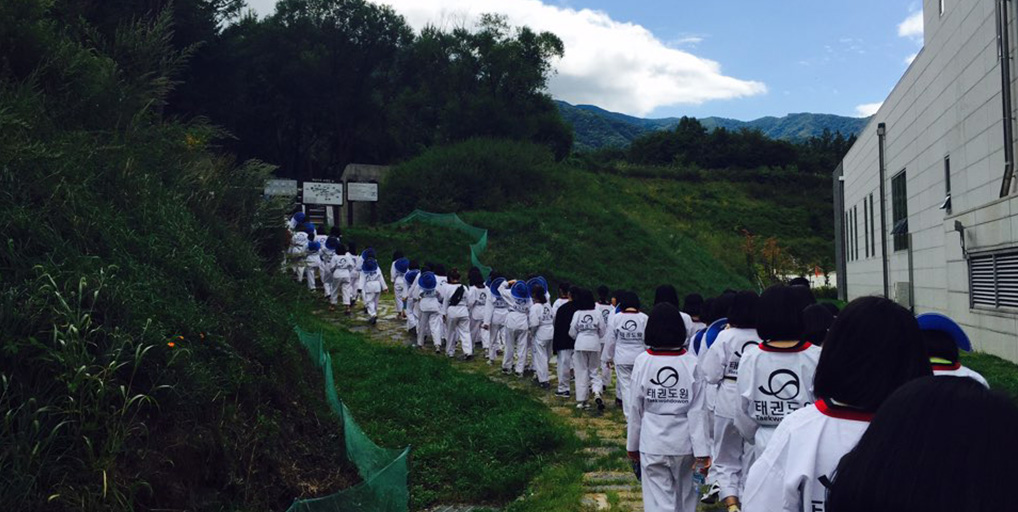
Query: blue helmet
{"points": [[410, 276], [538, 281], [428, 281], [520, 290], [331, 243], [713, 331], [299, 217], [495, 283], [370, 265], [943, 323], [402, 265], [314, 246], [368, 253]]}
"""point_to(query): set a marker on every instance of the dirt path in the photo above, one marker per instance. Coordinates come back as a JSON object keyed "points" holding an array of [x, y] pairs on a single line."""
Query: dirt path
{"points": [[608, 482]]}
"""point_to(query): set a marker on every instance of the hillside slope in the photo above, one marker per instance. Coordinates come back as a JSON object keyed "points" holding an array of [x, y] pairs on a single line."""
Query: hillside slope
{"points": [[597, 128]]}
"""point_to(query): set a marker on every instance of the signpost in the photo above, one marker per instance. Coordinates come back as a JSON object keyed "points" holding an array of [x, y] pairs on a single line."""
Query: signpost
{"points": [[328, 194], [280, 188], [361, 192]]}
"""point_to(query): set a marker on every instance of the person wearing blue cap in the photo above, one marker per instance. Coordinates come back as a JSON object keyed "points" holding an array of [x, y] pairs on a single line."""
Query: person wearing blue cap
{"points": [[372, 285], [517, 325], [429, 310], [297, 253], [400, 265], [456, 310], [410, 297], [342, 277], [495, 312], [327, 265], [944, 338], [355, 272], [311, 263]]}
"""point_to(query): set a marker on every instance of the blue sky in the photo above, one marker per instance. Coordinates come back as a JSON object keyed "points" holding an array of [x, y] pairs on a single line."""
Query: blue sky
{"points": [[732, 58]]}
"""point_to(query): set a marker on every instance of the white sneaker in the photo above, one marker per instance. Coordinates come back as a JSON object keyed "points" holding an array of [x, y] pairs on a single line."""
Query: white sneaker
{"points": [[712, 495]]}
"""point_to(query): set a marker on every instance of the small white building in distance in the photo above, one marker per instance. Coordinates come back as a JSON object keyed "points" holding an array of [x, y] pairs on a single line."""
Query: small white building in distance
{"points": [[926, 208]]}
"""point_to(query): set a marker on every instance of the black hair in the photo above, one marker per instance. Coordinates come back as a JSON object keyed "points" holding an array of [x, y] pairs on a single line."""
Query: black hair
{"points": [[564, 288], [341, 249], [921, 447], [873, 348], [742, 313], [414, 265], [706, 312], [574, 292], [798, 281], [335, 231], [804, 295], [454, 275], [425, 268], [352, 246], [941, 345], [476, 279], [832, 307], [440, 270], [602, 294], [310, 232], [584, 299], [429, 264], [629, 300], [666, 293], [397, 255], [692, 305], [665, 327], [722, 303], [537, 293], [816, 321], [779, 313]]}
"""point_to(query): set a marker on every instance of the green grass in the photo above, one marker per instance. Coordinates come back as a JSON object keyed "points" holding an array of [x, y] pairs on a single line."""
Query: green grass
{"points": [[1000, 373], [474, 440]]}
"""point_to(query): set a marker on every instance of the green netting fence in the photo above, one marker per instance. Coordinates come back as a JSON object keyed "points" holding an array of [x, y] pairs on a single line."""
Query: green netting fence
{"points": [[384, 471], [453, 221]]}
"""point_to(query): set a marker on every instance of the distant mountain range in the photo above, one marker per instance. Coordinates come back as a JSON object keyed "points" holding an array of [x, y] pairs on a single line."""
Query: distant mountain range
{"points": [[597, 128]]}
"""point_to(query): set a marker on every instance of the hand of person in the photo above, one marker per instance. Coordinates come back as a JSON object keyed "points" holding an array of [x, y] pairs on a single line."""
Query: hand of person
{"points": [[702, 462], [485, 327], [633, 456]]}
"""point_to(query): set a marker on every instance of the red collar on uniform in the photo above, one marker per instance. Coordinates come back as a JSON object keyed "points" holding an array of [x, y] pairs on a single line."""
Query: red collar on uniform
{"points": [[661, 352], [799, 347], [844, 413], [945, 367]]}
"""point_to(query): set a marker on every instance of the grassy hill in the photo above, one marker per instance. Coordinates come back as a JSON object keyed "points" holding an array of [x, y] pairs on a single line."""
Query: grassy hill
{"points": [[628, 228], [596, 128]]}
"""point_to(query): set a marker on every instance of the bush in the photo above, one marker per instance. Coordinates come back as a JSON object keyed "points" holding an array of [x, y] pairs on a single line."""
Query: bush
{"points": [[479, 174]]}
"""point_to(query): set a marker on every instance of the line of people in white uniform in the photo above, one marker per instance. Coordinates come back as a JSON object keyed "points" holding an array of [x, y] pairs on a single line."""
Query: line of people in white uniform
{"points": [[734, 390]]}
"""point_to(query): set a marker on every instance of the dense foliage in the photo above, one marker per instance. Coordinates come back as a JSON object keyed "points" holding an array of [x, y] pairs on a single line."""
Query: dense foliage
{"points": [[146, 356]]}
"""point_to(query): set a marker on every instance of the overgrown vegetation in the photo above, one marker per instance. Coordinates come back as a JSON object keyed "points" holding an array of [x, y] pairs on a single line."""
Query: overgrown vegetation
{"points": [[146, 356]]}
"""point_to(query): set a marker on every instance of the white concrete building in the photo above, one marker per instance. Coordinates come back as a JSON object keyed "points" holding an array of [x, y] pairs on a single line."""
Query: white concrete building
{"points": [[926, 207]]}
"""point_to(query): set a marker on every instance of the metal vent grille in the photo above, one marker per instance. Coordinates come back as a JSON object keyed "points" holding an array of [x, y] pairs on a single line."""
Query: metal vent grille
{"points": [[993, 279]]}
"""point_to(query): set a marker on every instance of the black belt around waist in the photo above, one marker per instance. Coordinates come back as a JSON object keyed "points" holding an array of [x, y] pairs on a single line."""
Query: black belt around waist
{"points": [[730, 378]]}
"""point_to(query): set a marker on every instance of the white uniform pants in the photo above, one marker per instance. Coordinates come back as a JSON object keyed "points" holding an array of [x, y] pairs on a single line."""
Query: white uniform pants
{"points": [[371, 302], [728, 444], [493, 331], [667, 483], [477, 334], [326, 283], [298, 268], [623, 373], [515, 345], [342, 286], [430, 322], [585, 365], [398, 292], [411, 315], [458, 329], [310, 271], [563, 363], [542, 349]]}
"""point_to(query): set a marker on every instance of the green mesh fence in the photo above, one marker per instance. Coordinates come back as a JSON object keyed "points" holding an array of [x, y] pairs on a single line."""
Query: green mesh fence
{"points": [[384, 471], [453, 221]]}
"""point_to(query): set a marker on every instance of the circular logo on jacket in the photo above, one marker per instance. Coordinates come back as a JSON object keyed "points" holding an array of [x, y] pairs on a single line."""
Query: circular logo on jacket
{"points": [[738, 353], [782, 384], [629, 326], [587, 319], [667, 377]]}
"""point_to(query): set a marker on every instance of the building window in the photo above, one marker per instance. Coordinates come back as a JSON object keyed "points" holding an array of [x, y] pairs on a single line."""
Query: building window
{"points": [[873, 227], [942, 7], [993, 279], [946, 205], [865, 229], [848, 234], [899, 211]]}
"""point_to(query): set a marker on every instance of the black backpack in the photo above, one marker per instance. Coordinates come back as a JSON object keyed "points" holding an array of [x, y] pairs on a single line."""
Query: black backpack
{"points": [[457, 296]]}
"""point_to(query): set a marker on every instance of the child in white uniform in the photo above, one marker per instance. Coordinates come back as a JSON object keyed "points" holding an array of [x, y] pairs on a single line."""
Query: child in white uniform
{"points": [[542, 329], [312, 262], [666, 427], [776, 378], [372, 285], [478, 303], [495, 312], [721, 368], [626, 342], [587, 328], [342, 277], [455, 300], [400, 266], [410, 297], [429, 310], [944, 338], [859, 368], [606, 309], [327, 265], [517, 325]]}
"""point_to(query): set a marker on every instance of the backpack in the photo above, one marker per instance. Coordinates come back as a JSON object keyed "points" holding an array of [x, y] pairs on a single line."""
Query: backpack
{"points": [[457, 296]]}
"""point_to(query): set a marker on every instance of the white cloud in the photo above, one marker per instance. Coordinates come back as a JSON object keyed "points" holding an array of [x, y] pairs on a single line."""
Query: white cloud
{"points": [[867, 109], [910, 58], [686, 41], [616, 65], [912, 27]]}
